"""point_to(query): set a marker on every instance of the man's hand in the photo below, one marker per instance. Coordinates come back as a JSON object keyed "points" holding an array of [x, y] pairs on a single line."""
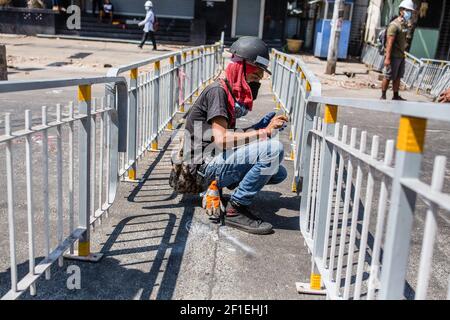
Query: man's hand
{"points": [[445, 96], [387, 61], [264, 122], [277, 122]]}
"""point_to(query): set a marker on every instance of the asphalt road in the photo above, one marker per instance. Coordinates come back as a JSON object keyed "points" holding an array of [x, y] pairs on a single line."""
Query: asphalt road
{"points": [[160, 245]]}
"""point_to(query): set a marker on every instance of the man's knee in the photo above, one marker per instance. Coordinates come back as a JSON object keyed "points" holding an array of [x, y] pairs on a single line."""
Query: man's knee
{"points": [[272, 149], [280, 176]]}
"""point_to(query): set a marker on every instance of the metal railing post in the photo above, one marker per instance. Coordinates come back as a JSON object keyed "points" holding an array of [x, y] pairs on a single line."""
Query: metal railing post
{"points": [[84, 177], [191, 77], [132, 127], [156, 100], [84, 165], [178, 85], [183, 81], [171, 92], [325, 181], [410, 141], [310, 113]]}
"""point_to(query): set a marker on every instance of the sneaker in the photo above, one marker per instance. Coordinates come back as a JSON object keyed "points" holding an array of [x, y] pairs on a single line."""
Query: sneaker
{"points": [[239, 217], [398, 98]]}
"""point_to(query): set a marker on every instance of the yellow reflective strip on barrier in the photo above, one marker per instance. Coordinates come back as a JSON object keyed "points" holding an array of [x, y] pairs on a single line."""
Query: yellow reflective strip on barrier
{"points": [[308, 86], [157, 65], [170, 126], [184, 55], [155, 145], [330, 114], [292, 155], [411, 134], [134, 73], [84, 93], [315, 281], [84, 249], [303, 75], [132, 174], [172, 60], [182, 108], [294, 187]]}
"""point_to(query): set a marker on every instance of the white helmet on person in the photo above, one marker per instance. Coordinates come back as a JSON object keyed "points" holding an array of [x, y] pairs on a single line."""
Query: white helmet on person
{"points": [[148, 4], [407, 4]]}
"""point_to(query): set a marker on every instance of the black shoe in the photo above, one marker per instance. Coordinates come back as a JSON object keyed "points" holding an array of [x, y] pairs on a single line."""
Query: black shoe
{"points": [[140, 47], [383, 98], [398, 98], [240, 217]]}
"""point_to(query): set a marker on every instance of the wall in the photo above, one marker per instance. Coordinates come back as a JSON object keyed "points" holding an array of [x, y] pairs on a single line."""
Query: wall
{"points": [[27, 21], [373, 20], [357, 27], [162, 8]]}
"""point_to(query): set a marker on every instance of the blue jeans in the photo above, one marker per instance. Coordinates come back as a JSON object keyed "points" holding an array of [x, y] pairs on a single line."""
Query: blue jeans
{"points": [[251, 166]]}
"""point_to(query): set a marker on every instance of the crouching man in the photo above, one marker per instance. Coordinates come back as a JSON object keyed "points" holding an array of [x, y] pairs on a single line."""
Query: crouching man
{"points": [[243, 160]]}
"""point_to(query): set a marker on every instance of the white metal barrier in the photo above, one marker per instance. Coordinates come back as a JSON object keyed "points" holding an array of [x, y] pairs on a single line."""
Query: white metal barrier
{"points": [[358, 207], [101, 137], [292, 84], [83, 135], [442, 84], [430, 73], [166, 84], [412, 70], [372, 57]]}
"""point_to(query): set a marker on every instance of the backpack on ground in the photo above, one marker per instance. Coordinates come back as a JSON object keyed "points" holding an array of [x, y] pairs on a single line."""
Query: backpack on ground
{"points": [[182, 180]]}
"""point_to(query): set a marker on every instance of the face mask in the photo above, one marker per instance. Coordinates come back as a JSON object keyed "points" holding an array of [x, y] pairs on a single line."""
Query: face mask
{"points": [[407, 15], [240, 110], [254, 86]]}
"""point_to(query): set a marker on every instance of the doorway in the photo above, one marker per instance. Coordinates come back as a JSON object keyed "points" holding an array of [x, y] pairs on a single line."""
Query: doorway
{"points": [[248, 18]]}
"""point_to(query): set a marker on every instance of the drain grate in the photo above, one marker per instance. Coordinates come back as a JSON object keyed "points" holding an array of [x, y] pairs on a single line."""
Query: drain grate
{"points": [[80, 55]]}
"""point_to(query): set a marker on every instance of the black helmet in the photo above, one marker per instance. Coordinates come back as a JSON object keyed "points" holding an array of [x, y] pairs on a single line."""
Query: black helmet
{"points": [[253, 50]]}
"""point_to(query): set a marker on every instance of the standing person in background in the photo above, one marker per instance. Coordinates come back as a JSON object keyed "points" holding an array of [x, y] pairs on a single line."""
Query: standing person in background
{"points": [[148, 22], [107, 10], [394, 57], [97, 4]]}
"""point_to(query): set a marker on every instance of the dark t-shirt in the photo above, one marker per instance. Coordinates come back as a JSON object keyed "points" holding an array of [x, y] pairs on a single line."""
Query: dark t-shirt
{"points": [[211, 103], [397, 30]]}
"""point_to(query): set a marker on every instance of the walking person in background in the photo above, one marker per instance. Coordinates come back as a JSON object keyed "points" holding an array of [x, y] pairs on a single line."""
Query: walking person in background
{"points": [[394, 57], [148, 23]]}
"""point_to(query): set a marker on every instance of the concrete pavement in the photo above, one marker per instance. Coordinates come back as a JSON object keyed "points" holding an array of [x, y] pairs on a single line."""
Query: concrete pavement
{"points": [[159, 245]]}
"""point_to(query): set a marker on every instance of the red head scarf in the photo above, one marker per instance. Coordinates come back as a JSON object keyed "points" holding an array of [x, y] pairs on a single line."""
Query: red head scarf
{"points": [[236, 78]]}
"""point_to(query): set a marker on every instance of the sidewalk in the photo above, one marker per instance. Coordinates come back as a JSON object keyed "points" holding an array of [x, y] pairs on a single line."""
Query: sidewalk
{"points": [[158, 245]]}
